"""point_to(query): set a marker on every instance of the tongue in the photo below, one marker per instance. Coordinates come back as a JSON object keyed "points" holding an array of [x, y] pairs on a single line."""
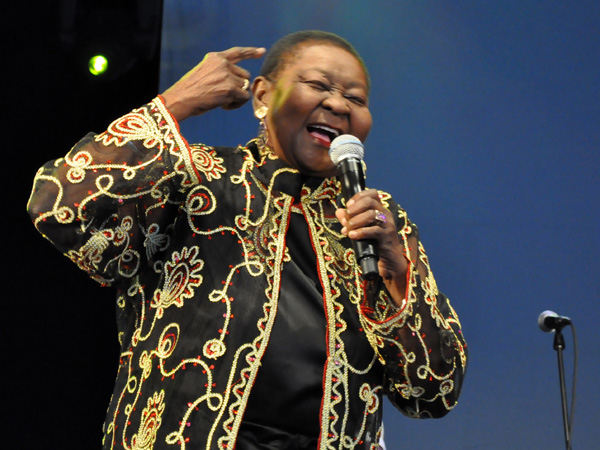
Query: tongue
{"points": [[318, 134]]}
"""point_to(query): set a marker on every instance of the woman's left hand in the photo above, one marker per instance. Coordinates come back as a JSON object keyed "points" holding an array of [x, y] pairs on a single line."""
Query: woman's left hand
{"points": [[366, 218]]}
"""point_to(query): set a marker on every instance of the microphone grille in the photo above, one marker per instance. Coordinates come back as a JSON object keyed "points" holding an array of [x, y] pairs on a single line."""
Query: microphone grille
{"points": [[346, 146]]}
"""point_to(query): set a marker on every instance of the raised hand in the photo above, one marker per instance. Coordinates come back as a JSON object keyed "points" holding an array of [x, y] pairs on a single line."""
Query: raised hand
{"points": [[217, 81]]}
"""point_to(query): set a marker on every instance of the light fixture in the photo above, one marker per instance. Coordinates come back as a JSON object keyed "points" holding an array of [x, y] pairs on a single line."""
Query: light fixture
{"points": [[98, 65]]}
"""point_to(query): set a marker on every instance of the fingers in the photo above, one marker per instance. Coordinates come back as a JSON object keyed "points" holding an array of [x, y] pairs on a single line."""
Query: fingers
{"points": [[363, 202], [241, 93], [371, 224], [240, 72], [217, 81], [237, 54], [365, 217]]}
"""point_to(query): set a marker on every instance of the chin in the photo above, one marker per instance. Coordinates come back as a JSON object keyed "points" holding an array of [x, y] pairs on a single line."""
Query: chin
{"points": [[320, 172]]}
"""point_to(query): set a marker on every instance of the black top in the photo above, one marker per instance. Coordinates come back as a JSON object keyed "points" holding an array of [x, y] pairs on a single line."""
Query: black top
{"points": [[291, 374]]}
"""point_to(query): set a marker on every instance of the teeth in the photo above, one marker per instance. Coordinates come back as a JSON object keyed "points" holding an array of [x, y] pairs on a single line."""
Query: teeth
{"points": [[329, 130]]}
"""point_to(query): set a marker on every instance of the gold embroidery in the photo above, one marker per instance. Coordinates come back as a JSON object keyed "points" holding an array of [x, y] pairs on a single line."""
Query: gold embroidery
{"points": [[151, 420], [336, 265], [182, 275], [89, 256], [207, 162], [273, 256], [257, 235]]}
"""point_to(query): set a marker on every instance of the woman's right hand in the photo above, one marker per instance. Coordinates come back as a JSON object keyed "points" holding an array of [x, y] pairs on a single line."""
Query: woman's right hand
{"points": [[216, 82]]}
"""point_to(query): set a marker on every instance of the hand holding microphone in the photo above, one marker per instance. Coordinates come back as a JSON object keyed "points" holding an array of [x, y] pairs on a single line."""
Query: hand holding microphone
{"points": [[365, 220], [347, 153]]}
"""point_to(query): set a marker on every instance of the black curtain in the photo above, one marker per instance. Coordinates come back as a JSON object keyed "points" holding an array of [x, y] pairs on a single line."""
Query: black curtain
{"points": [[59, 340]]}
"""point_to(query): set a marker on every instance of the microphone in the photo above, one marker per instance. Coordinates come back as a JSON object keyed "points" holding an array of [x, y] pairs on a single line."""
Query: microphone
{"points": [[550, 321], [346, 152]]}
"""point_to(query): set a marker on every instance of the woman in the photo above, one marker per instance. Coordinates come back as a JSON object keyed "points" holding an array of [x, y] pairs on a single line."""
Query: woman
{"points": [[243, 319]]}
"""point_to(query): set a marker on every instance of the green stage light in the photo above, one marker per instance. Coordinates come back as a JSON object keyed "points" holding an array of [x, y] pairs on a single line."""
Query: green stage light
{"points": [[98, 64]]}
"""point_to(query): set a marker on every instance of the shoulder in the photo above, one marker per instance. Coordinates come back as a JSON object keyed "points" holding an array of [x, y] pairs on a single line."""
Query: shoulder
{"points": [[213, 162]]}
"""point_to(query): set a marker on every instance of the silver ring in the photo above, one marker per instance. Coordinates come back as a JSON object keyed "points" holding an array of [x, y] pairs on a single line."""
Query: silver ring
{"points": [[246, 84], [380, 217]]}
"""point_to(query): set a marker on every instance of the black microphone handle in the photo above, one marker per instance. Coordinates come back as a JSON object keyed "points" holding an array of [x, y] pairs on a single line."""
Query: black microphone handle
{"points": [[353, 181]]}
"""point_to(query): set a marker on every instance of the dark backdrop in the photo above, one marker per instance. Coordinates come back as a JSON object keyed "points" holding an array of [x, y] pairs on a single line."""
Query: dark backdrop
{"points": [[59, 346]]}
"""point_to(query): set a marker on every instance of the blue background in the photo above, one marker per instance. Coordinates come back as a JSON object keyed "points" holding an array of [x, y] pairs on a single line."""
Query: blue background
{"points": [[486, 129]]}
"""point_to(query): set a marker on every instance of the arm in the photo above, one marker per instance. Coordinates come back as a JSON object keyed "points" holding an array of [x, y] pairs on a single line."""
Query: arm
{"points": [[410, 324], [109, 202], [112, 191]]}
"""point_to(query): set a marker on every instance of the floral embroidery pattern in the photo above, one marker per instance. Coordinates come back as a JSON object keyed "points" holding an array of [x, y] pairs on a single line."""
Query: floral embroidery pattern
{"points": [[207, 162], [182, 276], [151, 420]]}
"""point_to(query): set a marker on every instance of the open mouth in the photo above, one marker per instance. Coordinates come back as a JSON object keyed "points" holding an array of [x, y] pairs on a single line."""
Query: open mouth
{"points": [[323, 133]]}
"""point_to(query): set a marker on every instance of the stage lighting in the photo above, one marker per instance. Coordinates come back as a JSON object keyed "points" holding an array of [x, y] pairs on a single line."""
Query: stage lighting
{"points": [[98, 65], [103, 41]]}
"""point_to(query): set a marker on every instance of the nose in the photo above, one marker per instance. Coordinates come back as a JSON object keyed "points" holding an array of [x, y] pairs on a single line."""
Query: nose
{"points": [[336, 102]]}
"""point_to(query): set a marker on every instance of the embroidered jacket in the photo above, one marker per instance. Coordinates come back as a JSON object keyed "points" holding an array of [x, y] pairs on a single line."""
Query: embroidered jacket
{"points": [[193, 239]]}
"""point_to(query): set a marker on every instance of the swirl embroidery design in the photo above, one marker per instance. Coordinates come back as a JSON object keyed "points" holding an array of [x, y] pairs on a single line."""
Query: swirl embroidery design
{"points": [[182, 276], [150, 422]]}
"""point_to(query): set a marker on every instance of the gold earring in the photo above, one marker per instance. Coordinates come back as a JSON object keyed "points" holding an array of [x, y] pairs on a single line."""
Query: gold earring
{"points": [[261, 112], [262, 140]]}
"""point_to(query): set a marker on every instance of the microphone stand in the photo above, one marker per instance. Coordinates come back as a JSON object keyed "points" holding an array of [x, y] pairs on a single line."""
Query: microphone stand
{"points": [[559, 345]]}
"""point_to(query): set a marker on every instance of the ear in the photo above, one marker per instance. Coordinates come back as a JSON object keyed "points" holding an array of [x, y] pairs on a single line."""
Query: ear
{"points": [[261, 91]]}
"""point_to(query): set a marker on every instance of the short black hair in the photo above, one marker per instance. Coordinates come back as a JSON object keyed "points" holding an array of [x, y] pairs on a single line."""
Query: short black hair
{"points": [[285, 48]]}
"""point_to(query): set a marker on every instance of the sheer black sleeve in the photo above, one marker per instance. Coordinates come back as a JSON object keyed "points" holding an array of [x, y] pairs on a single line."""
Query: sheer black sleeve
{"points": [[420, 344], [109, 203]]}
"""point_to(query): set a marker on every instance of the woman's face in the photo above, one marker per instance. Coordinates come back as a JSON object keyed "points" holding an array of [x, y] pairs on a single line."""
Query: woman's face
{"points": [[321, 93]]}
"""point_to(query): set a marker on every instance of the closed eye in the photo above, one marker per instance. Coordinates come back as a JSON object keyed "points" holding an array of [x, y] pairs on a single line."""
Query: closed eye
{"points": [[324, 87], [318, 85], [356, 100]]}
